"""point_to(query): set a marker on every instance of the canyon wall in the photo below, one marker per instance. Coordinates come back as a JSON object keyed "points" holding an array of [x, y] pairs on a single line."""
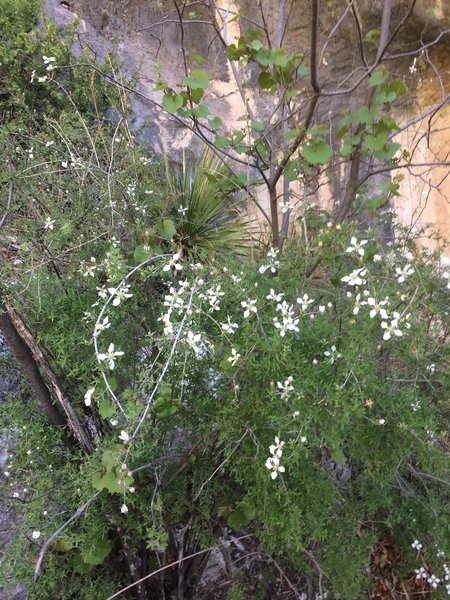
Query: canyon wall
{"points": [[149, 41]]}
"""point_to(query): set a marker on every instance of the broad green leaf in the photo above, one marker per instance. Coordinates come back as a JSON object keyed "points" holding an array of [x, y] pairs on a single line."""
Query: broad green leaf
{"points": [[279, 58], [376, 142], [201, 111], [106, 408], [197, 95], [96, 551], [171, 103], [199, 79], [166, 229], [318, 153], [215, 123], [377, 78], [265, 81], [221, 141], [258, 125], [141, 253]]}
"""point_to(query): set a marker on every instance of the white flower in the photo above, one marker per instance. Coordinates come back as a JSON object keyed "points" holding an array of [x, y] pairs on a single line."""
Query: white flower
{"points": [[355, 277], [235, 356], [48, 224], [105, 324], [391, 329], [48, 59], [277, 448], [229, 327], [273, 252], [124, 436], [434, 581], [322, 308], [381, 421], [194, 341], [285, 388], [249, 306], [120, 294], [377, 308], [303, 439], [417, 545], [421, 573], [377, 258], [356, 246], [36, 535], [333, 354], [305, 301], [404, 273], [88, 396], [274, 296], [173, 263], [273, 464], [110, 355], [42, 79], [286, 207], [124, 509], [358, 304]]}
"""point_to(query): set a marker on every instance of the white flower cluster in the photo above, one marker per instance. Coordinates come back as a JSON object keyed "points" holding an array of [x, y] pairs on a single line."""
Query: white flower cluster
{"points": [[175, 302], [390, 323], [289, 322], [286, 388], [273, 263], [213, 296], [273, 461]]}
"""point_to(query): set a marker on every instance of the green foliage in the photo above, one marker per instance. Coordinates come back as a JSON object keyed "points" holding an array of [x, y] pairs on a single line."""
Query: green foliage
{"points": [[243, 395], [209, 214]]}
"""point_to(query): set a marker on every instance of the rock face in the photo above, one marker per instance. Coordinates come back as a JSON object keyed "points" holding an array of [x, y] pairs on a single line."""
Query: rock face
{"points": [[149, 40]]}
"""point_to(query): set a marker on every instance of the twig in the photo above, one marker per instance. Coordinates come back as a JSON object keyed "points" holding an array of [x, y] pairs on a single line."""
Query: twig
{"points": [[220, 466], [73, 518]]}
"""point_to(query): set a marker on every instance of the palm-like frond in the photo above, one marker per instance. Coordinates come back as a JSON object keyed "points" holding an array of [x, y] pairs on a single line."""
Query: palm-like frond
{"points": [[213, 221]]}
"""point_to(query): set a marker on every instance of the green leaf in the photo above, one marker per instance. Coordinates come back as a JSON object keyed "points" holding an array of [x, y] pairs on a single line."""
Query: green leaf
{"points": [[256, 45], [376, 142], [279, 58], [198, 58], [215, 123], [106, 408], [171, 102], [197, 95], [80, 566], [96, 551], [201, 111], [141, 253], [377, 78], [258, 125], [265, 81], [199, 79], [221, 141], [318, 153], [166, 229], [112, 383], [241, 516]]}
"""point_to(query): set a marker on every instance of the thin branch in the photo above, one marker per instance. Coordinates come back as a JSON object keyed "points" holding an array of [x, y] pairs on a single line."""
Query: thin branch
{"points": [[48, 542]]}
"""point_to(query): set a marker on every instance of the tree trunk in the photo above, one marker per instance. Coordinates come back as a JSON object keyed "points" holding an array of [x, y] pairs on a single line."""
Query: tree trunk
{"points": [[25, 359]]}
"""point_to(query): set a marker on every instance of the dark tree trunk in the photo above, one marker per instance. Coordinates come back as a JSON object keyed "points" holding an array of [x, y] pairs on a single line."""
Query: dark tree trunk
{"points": [[25, 359]]}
